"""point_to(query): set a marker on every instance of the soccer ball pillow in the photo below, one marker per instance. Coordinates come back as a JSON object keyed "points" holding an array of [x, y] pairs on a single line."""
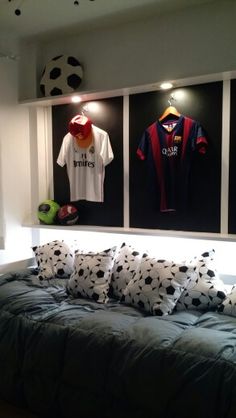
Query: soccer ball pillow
{"points": [[62, 75], [92, 275], [157, 285], [54, 259], [228, 306], [125, 265], [208, 290]]}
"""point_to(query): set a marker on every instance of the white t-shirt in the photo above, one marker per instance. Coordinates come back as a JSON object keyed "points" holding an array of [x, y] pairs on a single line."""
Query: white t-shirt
{"points": [[86, 166]]}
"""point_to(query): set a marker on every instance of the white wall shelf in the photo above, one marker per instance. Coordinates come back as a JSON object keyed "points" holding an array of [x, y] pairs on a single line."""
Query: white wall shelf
{"points": [[137, 231], [96, 95]]}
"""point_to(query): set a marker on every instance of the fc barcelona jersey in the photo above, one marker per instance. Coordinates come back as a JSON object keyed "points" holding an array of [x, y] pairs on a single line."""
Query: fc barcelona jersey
{"points": [[168, 148]]}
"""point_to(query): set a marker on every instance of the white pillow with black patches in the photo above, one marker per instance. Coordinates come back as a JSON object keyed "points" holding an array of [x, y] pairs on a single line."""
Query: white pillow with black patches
{"points": [[92, 275], [208, 290], [228, 306], [126, 263], [206, 266], [157, 285], [110, 251], [54, 259]]}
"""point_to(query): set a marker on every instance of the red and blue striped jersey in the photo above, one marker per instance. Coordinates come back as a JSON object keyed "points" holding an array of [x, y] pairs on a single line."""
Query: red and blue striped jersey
{"points": [[168, 148]]}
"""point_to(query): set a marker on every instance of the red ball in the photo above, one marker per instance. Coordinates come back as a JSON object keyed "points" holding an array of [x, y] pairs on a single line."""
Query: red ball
{"points": [[68, 215]]}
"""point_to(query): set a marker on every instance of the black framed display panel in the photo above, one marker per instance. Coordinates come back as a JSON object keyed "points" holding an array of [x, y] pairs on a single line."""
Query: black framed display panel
{"points": [[232, 164], [202, 103], [107, 114]]}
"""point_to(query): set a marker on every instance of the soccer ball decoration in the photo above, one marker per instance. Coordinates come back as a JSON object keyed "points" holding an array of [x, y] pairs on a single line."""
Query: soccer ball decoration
{"points": [[47, 211], [68, 215], [62, 75]]}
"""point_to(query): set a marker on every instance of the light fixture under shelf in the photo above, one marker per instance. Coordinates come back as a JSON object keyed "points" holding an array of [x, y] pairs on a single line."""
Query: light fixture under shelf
{"points": [[166, 85]]}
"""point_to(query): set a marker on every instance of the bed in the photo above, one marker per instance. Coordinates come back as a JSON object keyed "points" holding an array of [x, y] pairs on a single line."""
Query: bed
{"points": [[62, 356]]}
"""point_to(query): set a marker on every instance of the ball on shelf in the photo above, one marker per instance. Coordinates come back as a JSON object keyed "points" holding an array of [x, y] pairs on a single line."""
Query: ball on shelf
{"points": [[47, 211], [62, 75], [68, 215]]}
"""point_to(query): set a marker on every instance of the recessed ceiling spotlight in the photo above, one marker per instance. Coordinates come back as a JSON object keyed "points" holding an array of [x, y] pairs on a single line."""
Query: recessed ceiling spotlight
{"points": [[167, 85], [76, 99], [17, 12]]}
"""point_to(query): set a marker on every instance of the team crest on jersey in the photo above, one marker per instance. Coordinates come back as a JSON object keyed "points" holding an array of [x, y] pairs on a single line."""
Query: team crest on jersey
{"points": [[177, 139], [92, 149]]}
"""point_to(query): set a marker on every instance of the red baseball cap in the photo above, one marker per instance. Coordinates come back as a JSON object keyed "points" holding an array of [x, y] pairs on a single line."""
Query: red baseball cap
{"points": [[81, 128]]}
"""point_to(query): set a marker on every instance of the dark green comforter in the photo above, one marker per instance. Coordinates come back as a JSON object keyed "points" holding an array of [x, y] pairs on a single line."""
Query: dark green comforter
{"points": [[74, 358]]}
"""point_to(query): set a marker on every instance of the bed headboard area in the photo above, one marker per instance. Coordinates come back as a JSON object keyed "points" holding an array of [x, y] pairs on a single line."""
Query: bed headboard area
{"points": [[17, 265]]}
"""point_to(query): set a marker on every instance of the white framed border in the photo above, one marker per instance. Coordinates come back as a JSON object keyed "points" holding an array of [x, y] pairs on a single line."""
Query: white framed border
{"points": [[41, 153]]}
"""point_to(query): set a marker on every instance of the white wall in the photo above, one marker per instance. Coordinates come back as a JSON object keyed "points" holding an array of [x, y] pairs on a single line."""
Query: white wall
{"points": [[191, 42], [14, 154], [194, 41]]}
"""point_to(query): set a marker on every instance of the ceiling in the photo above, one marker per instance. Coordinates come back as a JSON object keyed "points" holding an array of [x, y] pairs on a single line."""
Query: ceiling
{"points": [[45, 19]]}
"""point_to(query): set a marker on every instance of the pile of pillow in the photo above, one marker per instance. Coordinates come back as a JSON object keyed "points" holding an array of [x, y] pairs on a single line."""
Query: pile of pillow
{"points": [[153, 285]]}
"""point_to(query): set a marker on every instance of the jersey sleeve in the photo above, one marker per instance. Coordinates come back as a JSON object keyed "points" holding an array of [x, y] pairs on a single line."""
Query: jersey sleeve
{"points": [[61, 159], [106, 150], [142, 150], [201, 141]]}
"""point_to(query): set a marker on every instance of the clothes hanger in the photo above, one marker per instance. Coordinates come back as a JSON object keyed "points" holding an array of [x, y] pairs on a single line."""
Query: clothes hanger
{"points": [[170, 111]]}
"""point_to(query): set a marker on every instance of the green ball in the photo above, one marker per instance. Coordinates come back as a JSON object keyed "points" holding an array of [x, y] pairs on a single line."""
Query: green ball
{"points": [[47, 211]]}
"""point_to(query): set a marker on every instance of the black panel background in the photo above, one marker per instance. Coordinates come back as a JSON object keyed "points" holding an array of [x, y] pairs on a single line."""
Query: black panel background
{"points": [[232, 162], [110, 118], [204, 104]]}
